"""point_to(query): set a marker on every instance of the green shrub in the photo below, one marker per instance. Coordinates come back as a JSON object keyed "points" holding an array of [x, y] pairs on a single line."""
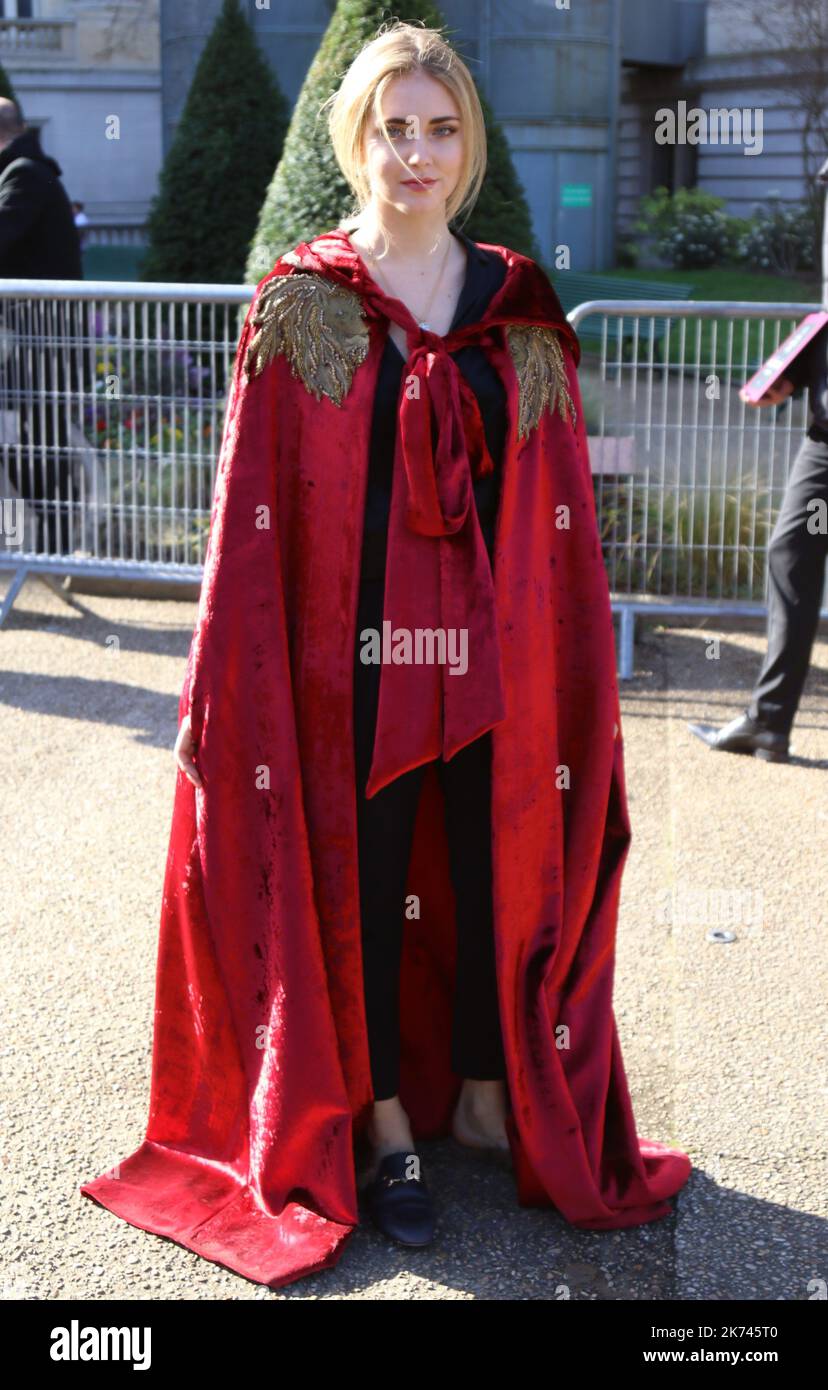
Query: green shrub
{"points": [[626, 254], [689, 227], [779, 238]]}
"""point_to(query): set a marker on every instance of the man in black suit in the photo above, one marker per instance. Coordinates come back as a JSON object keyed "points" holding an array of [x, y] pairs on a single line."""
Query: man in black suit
{"points": [[796, 576], [38, 240]]}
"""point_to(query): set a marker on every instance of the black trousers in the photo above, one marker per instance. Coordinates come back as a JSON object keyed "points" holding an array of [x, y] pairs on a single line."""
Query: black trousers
{"points": [[385, 829], [42, 476], [40, 374], [796, 561]]}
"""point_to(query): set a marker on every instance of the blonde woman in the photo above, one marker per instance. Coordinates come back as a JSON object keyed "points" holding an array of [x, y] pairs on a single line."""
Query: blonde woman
{"points": [[400, 822]]}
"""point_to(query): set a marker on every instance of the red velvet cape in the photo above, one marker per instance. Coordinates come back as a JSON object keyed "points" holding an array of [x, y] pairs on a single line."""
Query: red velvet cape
{"points": [[260, 1067]]}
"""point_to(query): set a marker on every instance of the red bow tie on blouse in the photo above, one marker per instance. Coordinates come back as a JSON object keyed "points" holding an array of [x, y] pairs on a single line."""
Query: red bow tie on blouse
{"points": [[438, 573], [438, 577]]}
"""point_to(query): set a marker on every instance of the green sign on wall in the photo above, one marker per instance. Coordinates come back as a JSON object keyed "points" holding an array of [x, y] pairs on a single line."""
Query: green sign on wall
{"points": [[576, 195]]}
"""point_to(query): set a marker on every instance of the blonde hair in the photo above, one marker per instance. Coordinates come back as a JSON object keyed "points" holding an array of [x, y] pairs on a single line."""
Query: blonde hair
{"points": [[396, 51]]}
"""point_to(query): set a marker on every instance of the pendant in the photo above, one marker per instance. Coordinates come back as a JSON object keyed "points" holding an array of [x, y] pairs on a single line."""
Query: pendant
{"points": [[426, 326]]}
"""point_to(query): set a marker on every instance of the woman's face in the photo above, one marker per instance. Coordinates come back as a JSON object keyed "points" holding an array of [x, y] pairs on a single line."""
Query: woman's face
{"points": [[422, 122]]}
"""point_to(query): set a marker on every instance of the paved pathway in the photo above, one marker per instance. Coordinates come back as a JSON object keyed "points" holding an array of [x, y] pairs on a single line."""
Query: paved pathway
{"points": [[724, 1044]]}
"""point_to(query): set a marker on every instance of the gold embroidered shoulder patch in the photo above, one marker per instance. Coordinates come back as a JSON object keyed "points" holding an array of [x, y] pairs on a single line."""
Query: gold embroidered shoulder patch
{"points": [[317, 325], [541, 372]]}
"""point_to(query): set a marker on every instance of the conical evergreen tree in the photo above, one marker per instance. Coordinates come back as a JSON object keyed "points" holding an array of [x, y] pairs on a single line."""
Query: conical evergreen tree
{"points": [[220, 161], [308, 193]]}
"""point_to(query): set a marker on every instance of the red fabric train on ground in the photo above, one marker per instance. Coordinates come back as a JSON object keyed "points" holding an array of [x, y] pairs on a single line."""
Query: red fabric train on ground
{"points": [[260, 1072]]}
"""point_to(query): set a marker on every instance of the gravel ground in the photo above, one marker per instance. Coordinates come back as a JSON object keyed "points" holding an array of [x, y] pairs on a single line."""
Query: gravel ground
{"points": [[724, 1044]]}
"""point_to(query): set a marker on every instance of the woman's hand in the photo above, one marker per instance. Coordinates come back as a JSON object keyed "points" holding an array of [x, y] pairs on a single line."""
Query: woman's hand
{"points": [[776, 395], [185, 752]]}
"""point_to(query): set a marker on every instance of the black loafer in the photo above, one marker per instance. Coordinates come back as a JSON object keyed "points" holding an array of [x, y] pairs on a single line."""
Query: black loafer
{"points": [[744, 735], [398, 1200]]}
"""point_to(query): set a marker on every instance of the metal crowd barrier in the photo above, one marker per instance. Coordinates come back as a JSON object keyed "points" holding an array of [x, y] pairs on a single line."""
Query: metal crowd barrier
{"points": [[688, 478], [112, 399]]}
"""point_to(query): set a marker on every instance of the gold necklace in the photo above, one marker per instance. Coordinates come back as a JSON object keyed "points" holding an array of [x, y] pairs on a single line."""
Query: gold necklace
{"points": [[421, 322]]}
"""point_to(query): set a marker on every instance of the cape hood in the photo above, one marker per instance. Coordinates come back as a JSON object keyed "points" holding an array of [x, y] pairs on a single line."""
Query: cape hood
{"points": [[260, 1072]]}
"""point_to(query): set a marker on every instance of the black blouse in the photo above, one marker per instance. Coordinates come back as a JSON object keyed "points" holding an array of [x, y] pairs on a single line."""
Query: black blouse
{"points": [[485, 273]]}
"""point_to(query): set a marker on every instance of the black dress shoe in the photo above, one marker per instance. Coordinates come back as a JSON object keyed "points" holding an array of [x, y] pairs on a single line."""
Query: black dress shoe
{"points": [[398, 1200], [744, 735]]}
